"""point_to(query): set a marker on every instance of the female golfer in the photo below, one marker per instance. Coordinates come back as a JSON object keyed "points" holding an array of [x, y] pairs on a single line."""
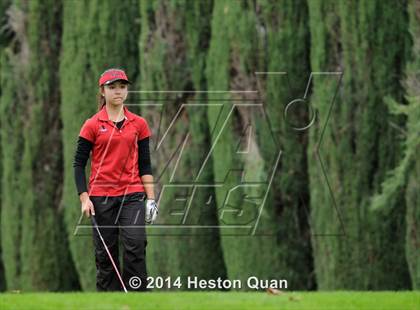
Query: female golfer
{"points": [[120, 182]]}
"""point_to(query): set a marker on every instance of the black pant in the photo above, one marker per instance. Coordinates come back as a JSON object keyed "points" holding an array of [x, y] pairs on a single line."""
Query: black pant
{"points": [[120, 215]]}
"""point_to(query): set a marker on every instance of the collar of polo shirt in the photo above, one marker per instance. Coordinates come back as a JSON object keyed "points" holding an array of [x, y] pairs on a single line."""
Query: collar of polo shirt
{"points": [[103, 114]]}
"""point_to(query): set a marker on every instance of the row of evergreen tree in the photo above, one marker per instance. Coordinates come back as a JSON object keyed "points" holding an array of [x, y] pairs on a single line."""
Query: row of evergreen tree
{"points": [[343, 206]]}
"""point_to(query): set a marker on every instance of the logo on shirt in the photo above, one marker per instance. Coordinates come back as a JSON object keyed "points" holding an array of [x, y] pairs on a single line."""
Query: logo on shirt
{"points": [[102, 129]]}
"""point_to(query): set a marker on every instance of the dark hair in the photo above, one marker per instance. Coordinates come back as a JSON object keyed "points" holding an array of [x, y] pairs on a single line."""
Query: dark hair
{"points": [[100, 99]]}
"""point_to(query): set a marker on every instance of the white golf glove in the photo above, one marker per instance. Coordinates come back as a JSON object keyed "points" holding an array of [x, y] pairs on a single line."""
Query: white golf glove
{"points": [[151, 211]]}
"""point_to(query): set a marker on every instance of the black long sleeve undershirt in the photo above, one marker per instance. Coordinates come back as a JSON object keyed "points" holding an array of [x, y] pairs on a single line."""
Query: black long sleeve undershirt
{"points": [[82, 154], [81, 157]]}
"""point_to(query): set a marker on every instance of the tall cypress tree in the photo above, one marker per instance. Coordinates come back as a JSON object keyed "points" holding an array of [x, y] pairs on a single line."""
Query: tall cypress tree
{"points": [[367, 250], [97, 35], [404, 178], [11, 198], [413, 147], [173, 53], [5, 36], [33, 236], [287, 57], [249, 37]]}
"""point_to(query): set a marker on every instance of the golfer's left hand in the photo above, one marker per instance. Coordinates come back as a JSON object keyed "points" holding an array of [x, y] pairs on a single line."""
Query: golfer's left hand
{"points": [[151, 211]]}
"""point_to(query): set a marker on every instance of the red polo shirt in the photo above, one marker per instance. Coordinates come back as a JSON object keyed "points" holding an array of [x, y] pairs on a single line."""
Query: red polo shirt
{"points": [[114, 161]]}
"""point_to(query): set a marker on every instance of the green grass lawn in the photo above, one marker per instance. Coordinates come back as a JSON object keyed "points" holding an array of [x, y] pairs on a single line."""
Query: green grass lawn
{"points": [[213, 300]]}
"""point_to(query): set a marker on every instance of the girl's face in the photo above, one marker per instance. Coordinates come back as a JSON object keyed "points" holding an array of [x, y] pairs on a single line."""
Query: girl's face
{"points": [[115, 93]]}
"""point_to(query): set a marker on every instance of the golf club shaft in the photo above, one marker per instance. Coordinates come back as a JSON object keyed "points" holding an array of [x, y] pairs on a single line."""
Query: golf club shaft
{"points": [[109, 254]]}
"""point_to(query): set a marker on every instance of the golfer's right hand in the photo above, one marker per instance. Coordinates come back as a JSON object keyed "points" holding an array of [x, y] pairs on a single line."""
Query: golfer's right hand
{"points": [[87, 207]]}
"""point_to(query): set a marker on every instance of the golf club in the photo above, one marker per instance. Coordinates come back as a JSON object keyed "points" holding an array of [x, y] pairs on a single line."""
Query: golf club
{"points": [[109, 254]]}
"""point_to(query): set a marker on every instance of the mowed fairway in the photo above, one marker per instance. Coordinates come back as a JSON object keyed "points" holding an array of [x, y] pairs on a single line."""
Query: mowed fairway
{"points": [[213, 300]]}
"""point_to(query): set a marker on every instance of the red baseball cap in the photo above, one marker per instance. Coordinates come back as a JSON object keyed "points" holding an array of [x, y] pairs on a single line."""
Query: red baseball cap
{"points": [[112, 75]]}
